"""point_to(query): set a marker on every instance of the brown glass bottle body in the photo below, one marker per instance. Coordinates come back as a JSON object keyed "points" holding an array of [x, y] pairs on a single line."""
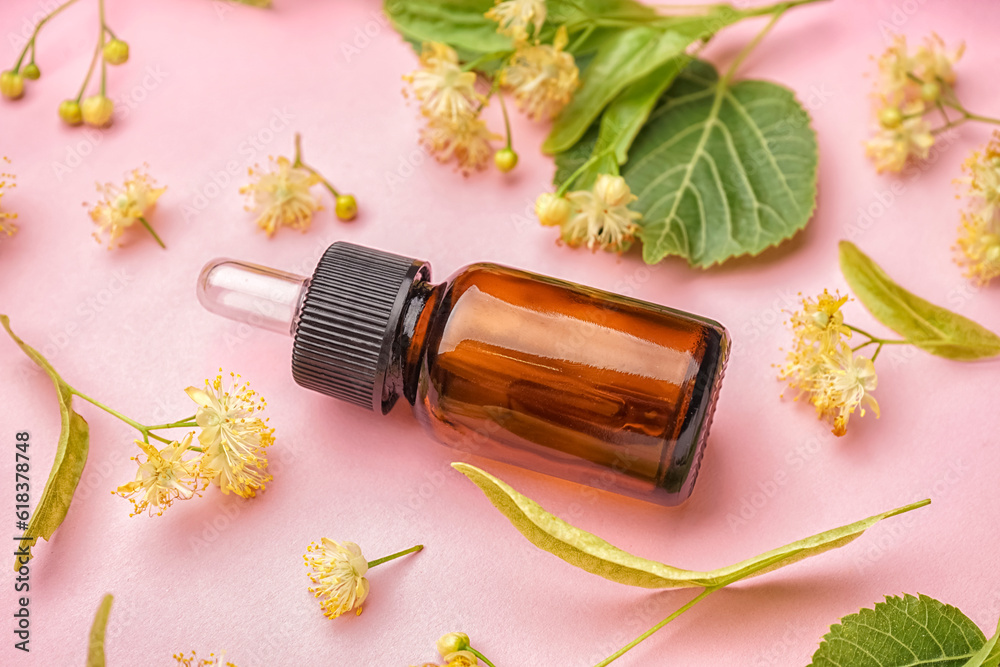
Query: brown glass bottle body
{"points": [[567, 380]]}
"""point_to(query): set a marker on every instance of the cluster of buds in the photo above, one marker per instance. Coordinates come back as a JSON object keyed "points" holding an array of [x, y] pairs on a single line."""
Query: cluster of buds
{"points": [[96, 110]]}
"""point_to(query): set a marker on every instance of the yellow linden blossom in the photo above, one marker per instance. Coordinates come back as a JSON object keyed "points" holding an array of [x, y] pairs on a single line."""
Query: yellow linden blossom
{"points": [[514, 17], [822, 367], [7, 227], [281, 196], [456, 659], [338, 572], [163, 477], [542, 77], [232, 436], [465, 139], [442, 88], [600, 217], [122, 207], [893, 146], [908, 87], [211, 661], [979, 240]]}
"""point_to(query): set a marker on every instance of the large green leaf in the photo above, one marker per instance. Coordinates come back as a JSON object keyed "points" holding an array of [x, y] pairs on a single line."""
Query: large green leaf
{"points": [[626, 57], [902, 632], [929, 327], [722, 170], [71, 456], [95, 650], [591, 553]]}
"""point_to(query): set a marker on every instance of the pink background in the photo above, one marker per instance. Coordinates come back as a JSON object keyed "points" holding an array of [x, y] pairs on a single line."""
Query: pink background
{"points": [[212, 86]]}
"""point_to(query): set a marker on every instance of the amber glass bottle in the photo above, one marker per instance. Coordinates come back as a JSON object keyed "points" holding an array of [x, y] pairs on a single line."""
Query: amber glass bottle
{"points": [[567, 380]]}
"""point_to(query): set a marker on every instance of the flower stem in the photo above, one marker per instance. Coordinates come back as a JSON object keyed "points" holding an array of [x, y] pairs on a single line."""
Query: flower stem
{"points": [[31, 41], [777, 13], [386, 559], [149, 228], [486, 57], [635, 642], [189, 421], [131, 422], [506, 119], [104, 73], [565, 186], [297, 162], [93, 61], [480, 656], [874, 339]]}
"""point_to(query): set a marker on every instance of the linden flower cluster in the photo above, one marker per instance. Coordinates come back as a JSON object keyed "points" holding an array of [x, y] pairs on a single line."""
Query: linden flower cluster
{"points": [[281, 195], [456, 651], [6, 226], [122, 207], [597, 218], [824, 368], [338, 574], [979, 240], [230, 452], [909, 86], [96, 110], [541, 77]]}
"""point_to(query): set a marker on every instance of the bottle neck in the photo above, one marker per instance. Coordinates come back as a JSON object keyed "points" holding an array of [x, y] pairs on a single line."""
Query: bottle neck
{"points": [[403, 374]]}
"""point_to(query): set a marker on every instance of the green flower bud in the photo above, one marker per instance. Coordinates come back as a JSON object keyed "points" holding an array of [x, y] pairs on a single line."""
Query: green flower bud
{"points": [[346, 207], [11, 85], [505, 159], [890, 117], [452, 643], [930, 91], [69, 111], [115, 52], [31, 71], [97, 110]]}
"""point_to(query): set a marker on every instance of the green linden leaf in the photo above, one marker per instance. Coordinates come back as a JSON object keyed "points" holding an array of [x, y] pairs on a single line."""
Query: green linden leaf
{"points": [[722, 170], [903, 632], [989, 654], [929, 327], [71, 456], [591, 553], [460, 24], [95, 652]]}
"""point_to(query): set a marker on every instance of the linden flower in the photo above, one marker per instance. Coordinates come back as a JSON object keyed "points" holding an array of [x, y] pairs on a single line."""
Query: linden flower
{"points": [[211, 661], [893, 146], [443, 89], [7, 227], [465, 139], [163, 477], [338, 572], [820, 324], [281, 196], [514, 17], [542, 77], [232, 436], [600, 218], [123, 207], [932, 62], [979, 240], [845, 386]]}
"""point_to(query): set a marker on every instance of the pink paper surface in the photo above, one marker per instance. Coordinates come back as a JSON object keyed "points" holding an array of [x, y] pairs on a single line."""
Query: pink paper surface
{"points": [[210, 90]]}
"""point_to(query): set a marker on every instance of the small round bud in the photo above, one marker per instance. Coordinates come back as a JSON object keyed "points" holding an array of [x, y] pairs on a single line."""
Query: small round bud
{"points": [[97, 110], [69, 111], [552, 210], [821, 319], [890, 117], [115, 52], [505, 159], [613, 190], [452, 643], [930, 91], [31, 71], [11, 85], [346, 207]]}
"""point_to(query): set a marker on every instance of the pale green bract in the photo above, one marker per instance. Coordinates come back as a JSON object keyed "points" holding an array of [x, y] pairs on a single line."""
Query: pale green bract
{"points": [[929, 327], [591, 553], [70, 456], [95, 649], [906, 631]]}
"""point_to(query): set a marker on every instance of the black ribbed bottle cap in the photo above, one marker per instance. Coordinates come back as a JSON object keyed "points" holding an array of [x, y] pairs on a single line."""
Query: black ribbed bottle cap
{"points": [[348, 322]]}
